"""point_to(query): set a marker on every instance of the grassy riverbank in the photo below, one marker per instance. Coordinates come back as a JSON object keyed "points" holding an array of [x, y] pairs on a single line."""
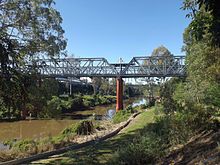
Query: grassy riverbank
{"points": [[104, 151], [74, 134]]}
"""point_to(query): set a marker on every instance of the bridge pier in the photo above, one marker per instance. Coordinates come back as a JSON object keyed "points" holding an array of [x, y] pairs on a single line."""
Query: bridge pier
{"points": [[119, 94]]}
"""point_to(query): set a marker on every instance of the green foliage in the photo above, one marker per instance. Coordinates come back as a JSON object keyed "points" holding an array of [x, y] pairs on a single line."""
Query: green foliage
{"points": [[85, 127], [120, 116], [77, 101], [123, 115], [142, 150], [3, 109], [161, 51], [38, 95], [213, 95], [89, 101], [158, 109], [72, 130], [166, 94], [53, 108], [172, 130], [9, 143], [25, 145], [156, 139], [67, 104], [28, 29], [199, 95], [106, 99], [36, 29]]}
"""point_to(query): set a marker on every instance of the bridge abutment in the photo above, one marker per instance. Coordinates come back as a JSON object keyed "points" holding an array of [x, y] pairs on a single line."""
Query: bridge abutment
{"points": [[119, 94]]}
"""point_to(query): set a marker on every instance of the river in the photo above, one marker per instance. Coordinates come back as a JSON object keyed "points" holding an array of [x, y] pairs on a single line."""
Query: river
{"points": [[35, 129]]}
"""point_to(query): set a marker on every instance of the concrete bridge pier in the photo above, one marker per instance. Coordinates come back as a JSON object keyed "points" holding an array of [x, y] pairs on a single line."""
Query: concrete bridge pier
{"points": [[119, 94]]}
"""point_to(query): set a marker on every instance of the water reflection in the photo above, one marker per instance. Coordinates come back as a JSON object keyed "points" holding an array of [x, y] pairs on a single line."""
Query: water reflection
{"points": [[110, 113], [139, 102]]}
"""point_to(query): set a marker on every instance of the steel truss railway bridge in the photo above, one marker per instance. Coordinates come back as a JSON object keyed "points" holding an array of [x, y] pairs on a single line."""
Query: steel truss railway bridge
{"points": [[146, 66]]}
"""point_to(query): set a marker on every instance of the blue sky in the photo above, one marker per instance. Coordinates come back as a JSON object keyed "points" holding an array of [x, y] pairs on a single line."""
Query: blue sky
{"points": [[122, 28]]}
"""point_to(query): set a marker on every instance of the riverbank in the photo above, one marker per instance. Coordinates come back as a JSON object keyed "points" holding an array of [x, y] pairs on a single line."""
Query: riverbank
{"points": [[137, 144], [82, 142], [51, 127], [68, 136], [102, 152]]}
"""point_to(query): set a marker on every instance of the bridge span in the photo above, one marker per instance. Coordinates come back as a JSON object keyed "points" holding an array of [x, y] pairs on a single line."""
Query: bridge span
{"points": [[145, 66]]}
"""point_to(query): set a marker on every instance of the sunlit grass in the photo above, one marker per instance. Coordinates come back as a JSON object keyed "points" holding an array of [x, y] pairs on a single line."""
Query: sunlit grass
{"points": [[102, 152]]}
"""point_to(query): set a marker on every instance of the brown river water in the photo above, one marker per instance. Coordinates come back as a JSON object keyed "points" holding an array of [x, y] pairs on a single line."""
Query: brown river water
{"points": [[35, 129]]}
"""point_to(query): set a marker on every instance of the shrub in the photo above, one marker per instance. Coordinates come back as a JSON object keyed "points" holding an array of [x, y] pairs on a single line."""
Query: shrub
{"points": [[143, 150], [67, 104], [9, 143], [72, 130], [53, 108], [25, 145], [88, 101], [85, 127], [77, 101]]}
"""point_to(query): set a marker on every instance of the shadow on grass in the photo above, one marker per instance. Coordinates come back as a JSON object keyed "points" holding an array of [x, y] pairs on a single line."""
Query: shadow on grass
{"points": [[100, 152]]}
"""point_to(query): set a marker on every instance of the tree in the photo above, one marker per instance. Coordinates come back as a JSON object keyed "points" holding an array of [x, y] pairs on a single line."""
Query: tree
{"points": [[28, 30], [161, 51], [201, 42], [96, 83], [202, 47], [208, 8], [161, 57]]}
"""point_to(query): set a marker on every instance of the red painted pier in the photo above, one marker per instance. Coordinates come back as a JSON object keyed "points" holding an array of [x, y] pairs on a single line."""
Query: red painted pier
{"points": [[119, 94]]}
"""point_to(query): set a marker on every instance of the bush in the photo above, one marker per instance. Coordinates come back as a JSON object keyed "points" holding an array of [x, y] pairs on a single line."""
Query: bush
{"points": [[77, 101], [66, 105], [72, 130], [88, 101], [53, 108], [172, 129], [25, 145], [143, 150], [85, 127]]}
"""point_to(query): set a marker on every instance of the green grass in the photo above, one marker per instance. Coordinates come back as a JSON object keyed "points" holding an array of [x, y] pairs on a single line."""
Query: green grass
{"points": [[102, 152], [143, 119], [121, 116]]}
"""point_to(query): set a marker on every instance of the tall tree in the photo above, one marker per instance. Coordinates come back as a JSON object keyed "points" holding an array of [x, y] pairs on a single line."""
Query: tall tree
{"points": [[202, 46], [28, 29]]}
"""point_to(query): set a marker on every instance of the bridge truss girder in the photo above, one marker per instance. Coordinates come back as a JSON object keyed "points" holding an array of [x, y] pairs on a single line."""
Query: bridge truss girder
{"points": [[99, 67]]}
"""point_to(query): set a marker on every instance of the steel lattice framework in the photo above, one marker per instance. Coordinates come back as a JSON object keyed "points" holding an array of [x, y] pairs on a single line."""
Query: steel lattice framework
{"points": [[146, 66]]}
